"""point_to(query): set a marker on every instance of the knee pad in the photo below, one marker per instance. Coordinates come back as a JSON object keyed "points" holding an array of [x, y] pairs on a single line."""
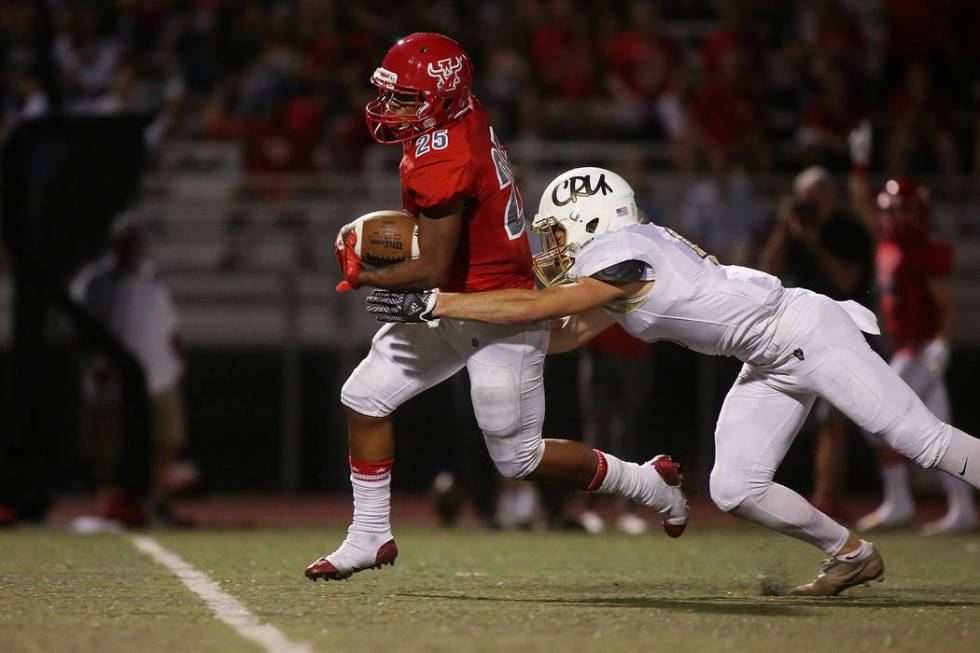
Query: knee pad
{"points": [[514, 446], [521, 462], [496, 401], [361, 397], [727, 490]]}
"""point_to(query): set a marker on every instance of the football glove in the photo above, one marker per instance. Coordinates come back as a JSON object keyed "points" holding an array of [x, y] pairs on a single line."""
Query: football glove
{"points": [[349, 262], [410, 307], [936, 356], [859, 144]]}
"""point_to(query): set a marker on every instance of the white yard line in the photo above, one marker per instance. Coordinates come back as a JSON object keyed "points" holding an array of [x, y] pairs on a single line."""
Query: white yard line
{"points": [[226, 607]]}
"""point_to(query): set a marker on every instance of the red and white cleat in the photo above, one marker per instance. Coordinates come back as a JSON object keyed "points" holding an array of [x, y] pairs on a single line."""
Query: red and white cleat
{"points": [[341, 564], [675, 514]]}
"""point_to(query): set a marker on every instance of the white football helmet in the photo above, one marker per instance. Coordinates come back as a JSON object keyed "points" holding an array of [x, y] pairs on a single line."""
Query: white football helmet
{"points": [[577, 206]]}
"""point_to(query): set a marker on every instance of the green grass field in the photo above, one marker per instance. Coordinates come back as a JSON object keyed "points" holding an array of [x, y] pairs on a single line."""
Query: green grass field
{"points": [[474, 591]]}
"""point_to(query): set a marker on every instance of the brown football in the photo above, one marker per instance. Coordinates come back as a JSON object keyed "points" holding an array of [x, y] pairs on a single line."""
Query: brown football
{"points": [[386, 237]]}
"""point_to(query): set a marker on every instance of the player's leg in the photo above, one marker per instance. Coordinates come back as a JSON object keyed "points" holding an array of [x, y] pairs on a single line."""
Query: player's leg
{"points": [[829, 460], [847, 372], [633, 385], [757, 424], [897, 505], [404, 360], [961, 514], [506, 366]]}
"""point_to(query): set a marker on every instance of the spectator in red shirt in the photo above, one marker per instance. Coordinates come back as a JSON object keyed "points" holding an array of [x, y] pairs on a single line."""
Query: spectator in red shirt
{"points": [[645, 74], [563, 52], [728, 120], [643, 60], [564, 59], [828, 34], [735, 35]]}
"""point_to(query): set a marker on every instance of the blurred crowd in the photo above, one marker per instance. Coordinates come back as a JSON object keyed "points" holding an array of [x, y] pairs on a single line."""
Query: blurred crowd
{"points": [[761, 85]]}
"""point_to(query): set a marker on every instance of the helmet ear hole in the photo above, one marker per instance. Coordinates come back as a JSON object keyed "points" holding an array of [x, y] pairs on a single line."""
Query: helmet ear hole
{"points": [[592, 225]]}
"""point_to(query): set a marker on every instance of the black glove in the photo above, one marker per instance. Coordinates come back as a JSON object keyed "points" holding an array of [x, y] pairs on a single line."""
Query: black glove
{"points": [[410, 307]]}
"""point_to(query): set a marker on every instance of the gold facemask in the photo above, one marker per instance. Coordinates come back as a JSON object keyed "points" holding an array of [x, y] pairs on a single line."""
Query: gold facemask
{"points": [[552, 263]]}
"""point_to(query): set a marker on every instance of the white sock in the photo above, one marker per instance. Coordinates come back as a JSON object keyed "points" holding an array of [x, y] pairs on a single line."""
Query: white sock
{"points": [[895, 485], [857, 554], [625, 479], [783, 510], [962, 457], [371, 482], [959, 496]]}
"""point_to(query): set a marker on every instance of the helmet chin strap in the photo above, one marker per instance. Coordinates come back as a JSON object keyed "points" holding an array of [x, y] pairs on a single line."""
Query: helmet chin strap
{"points": [[469, 105]]}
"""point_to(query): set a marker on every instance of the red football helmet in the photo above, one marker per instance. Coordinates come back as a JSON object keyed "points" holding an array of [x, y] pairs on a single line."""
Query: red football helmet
{"points": [[423, 82], [903, 208]]}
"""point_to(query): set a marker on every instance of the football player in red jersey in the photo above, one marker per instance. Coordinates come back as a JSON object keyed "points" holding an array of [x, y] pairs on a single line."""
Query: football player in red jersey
{"points": [[457, 180], [913, 267]]}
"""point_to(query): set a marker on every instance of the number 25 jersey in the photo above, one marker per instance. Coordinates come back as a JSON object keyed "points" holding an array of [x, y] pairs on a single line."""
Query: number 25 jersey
{"points": [[465, 162]]}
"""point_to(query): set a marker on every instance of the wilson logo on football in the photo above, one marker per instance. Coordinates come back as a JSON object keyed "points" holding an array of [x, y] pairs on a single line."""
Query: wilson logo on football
{"points": [[386, 242], [446, 71]]}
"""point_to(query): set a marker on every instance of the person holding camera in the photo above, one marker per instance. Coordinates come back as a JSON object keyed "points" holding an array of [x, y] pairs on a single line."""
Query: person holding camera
{"points": [[817, 243]]}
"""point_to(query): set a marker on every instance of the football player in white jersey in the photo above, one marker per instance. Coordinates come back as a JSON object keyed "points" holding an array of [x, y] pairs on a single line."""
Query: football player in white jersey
{"points": [[599, 264]]}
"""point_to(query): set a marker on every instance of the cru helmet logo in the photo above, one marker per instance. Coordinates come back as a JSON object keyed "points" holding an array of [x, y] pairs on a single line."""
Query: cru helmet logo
{"points": [[447, 72], [579, 186]]}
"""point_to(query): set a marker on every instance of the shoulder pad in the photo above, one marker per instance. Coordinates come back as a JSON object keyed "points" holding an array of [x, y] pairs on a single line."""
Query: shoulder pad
{"points": [[623, 272]]}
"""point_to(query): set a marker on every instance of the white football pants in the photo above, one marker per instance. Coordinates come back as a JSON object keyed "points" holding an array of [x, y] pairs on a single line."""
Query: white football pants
{"points": [[505, 365], [821, 353]]}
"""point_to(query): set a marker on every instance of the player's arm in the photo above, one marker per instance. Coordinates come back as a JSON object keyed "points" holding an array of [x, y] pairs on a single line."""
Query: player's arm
{"points": [[772, 256], [859, 180], [942, 295], [518, 306], [936, 352], [571, 332], [439, 233]]}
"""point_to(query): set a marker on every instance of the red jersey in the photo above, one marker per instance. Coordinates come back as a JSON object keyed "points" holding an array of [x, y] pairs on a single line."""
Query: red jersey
{"points": [[465, 161], [903, 270]]}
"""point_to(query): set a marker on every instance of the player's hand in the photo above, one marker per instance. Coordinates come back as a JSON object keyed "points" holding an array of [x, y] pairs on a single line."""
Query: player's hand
{"points": [[396, 306], [859, 144], [349, 262], [936, 356]]}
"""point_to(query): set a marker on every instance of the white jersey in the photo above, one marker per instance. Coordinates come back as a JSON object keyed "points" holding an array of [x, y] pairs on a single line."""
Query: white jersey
{"points": [[723, 310]]}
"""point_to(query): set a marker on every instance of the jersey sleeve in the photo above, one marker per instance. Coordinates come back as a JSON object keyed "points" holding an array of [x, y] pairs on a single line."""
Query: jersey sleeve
{"points": [[440, 179], [609, 250]]}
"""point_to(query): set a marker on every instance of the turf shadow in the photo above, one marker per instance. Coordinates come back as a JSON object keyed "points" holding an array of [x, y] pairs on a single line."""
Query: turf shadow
{"points": [[878, 602], [769, 606], [704, 605]]}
